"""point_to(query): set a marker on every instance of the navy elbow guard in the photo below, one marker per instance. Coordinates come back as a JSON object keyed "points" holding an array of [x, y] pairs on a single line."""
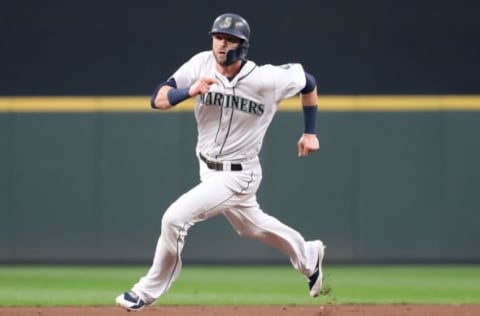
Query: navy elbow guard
{"points": [[154, 95], [310, 83], [170, 82]]}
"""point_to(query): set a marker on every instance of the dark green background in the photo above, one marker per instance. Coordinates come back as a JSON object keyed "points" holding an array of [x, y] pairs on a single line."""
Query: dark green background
{"points": [[385, 187]]}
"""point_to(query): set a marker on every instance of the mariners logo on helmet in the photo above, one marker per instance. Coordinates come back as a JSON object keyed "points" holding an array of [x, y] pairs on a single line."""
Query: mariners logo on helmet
{"points": [[226, 23]]}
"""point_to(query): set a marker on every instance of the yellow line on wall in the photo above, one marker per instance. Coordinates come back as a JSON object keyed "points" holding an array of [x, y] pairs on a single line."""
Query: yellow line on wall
{"points": [[326, 103], [400, 103]]}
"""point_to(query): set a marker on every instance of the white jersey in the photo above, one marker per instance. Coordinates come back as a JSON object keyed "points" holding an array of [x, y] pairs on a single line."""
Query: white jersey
{"points": [[233, 117]]}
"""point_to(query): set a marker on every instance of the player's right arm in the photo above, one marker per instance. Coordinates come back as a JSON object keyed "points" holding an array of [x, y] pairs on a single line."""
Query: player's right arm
{"points": [[309, 143], [167, 95]]}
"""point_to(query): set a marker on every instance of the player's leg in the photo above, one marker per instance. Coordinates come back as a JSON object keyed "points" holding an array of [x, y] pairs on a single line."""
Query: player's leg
{"points": [[200, 203], [250, 221]]}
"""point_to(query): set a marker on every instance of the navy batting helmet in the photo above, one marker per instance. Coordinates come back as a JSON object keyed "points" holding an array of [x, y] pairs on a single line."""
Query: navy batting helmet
{"points": [[235, 25]]}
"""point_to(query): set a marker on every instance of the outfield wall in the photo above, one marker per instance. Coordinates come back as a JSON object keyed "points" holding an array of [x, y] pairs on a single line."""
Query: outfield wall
{"points": [[386, 186], [85, 177]]}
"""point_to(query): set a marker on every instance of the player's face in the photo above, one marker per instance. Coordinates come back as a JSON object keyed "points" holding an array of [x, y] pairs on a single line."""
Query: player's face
{"points": [[222, 43]]}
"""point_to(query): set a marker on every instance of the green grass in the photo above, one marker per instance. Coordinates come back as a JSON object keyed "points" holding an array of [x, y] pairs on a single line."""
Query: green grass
{"points": [[224, 285]]}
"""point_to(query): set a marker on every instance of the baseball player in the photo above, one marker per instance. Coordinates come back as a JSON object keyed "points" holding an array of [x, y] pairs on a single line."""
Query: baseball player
{"points": [[235, 103]]}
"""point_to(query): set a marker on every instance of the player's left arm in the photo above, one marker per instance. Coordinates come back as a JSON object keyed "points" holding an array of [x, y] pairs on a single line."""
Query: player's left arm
{"points": [[308, 142]]}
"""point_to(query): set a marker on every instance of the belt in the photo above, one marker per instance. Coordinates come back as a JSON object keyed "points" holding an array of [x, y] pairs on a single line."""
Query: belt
{"points": [[220, 166]]}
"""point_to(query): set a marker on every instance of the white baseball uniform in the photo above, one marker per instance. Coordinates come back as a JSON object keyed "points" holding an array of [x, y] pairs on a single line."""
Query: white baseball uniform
{"points": [[232, 120]]}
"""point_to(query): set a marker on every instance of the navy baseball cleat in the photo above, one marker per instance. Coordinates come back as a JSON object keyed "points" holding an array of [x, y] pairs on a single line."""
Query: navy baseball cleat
{"points": [[316, 278], [130, 301]]}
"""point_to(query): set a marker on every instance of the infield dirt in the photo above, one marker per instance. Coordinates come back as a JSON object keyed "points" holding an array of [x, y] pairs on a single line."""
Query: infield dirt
{"points": [[328, 310]]}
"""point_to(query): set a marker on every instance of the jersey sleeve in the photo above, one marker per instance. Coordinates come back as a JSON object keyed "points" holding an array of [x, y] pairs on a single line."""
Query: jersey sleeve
{"points": [[189, 72], [289, 80]]}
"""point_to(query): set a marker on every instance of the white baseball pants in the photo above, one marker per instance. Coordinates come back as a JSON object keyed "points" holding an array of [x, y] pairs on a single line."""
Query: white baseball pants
{"points": [[231, 193]]}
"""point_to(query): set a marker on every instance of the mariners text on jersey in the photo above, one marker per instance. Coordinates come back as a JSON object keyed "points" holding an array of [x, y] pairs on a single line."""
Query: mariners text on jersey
{"points": [[233, 101]]}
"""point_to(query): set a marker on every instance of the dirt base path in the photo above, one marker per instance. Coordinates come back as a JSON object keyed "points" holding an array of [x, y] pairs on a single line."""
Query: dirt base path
{"points": [[328, 310]]}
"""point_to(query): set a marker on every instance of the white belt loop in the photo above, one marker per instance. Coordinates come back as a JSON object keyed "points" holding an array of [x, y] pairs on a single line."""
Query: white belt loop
{"points": [[227, 165]]}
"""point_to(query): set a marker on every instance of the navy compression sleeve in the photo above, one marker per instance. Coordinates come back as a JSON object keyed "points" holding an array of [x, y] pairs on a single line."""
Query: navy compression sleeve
{"points": [[176, 96]]}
